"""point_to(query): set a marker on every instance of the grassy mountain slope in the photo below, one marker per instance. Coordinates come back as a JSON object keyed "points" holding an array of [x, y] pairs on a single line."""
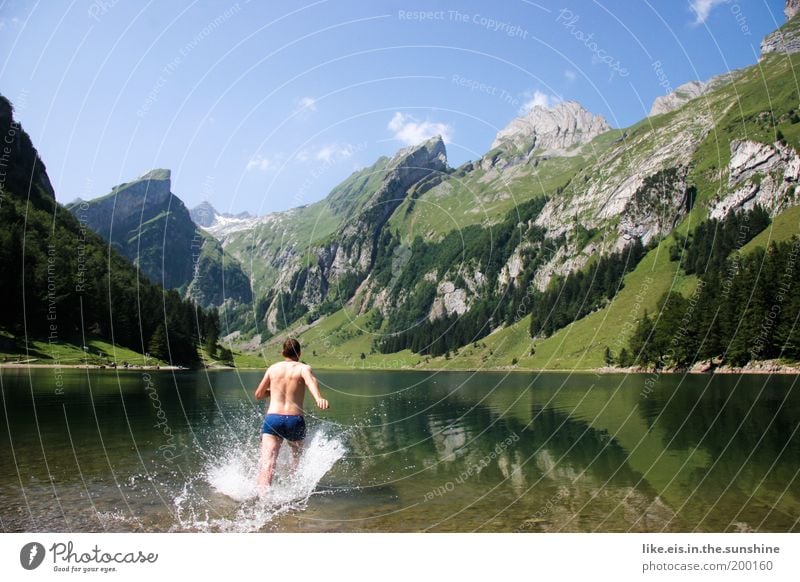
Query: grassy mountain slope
{"points": [[64, 287], [760, 105]]}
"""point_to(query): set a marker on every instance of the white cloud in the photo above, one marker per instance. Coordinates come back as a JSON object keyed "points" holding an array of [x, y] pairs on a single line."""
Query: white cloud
{"points": [[334, 151], [328, 153], [570, 75], [538, 99], [411, 131], [305, 106], [259, 162], [702, 8]]}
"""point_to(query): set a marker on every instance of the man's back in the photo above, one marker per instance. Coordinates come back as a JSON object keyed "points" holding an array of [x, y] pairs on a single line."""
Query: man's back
{"points": [[287, 387]]}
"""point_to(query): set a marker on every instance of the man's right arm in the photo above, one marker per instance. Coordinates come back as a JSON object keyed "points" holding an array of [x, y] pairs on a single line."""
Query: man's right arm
{"points": [[311, 382], [263, 387]]}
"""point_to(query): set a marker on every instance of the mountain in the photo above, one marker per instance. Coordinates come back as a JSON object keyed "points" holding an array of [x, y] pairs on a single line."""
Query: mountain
{"points": [[313, 258], [150, 225], [410, 259], [206, 216], [61, 283], [552, 131]]}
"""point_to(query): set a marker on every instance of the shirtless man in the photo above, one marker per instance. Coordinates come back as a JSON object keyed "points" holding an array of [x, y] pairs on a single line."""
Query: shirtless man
{"points": [[285, 382]]}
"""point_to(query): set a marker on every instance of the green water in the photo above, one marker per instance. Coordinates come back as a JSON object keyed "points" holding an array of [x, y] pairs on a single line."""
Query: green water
{"points": [[403, 451]]}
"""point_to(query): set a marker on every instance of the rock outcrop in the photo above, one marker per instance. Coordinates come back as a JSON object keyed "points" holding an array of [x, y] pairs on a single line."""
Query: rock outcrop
{"points": [[784, 42], [759, 174], [786, 39], [676, 99], [552, 131]]}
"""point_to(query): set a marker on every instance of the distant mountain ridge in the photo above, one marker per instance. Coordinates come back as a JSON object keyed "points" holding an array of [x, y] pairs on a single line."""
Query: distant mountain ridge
{"points": [[151, 226], [205, 215]]}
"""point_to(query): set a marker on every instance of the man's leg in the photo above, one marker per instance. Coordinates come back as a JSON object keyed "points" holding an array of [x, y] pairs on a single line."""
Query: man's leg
{"points": [[297, 451], [270, 447]]}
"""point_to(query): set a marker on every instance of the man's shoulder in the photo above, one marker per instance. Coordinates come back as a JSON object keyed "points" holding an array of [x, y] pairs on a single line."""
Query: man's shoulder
{"points": [[295, 365]]}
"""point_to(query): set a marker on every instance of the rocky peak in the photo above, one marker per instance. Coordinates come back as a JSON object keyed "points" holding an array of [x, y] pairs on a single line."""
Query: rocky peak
{"points": [[430, 153], [153, 188], [204, 214], [791, 9], [674, 100], [552, 130]]}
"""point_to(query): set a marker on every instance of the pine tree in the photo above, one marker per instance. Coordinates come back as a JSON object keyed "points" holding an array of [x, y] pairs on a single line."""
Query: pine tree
{"points": [[157, 347]]}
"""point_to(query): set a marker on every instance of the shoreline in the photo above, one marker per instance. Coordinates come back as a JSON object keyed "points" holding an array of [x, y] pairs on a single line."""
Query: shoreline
{"points": [[13, 365], [761, 368]]}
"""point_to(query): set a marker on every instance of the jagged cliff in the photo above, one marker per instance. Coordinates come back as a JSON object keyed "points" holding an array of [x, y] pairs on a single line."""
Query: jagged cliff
{"points": [[552, 131], [147, 223], [331, 269]]}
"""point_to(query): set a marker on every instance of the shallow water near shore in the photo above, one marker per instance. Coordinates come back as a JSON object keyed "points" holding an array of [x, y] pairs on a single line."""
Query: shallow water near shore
{"points": [[171, 451]]}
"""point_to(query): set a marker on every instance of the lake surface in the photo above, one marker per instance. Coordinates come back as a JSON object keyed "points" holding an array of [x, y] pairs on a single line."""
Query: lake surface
{"points": [[402, 451]]}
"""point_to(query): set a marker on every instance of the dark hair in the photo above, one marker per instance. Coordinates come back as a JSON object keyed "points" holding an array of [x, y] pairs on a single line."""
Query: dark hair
{"points": [[291, 349]]}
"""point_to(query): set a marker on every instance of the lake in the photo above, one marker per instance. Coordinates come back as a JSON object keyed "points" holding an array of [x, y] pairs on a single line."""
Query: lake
{"points": [[131, 450]]}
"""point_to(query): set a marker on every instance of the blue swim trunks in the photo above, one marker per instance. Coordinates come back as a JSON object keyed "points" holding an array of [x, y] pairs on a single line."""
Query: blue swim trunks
{"points": [[291, 427]]}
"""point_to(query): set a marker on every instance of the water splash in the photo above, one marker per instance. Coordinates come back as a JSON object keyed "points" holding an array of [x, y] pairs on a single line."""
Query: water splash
{"points": [[224, 495]]}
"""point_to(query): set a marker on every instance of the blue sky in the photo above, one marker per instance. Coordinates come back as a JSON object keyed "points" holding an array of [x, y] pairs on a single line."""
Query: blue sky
{"points": [[262, 106]]}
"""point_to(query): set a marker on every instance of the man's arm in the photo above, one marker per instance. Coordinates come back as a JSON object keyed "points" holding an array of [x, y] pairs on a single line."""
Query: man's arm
{"points": [[311, 382], [263, 388]]}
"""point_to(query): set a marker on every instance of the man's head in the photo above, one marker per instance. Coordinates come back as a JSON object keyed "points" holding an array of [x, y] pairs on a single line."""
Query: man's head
{"points": [[291, 349]]}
